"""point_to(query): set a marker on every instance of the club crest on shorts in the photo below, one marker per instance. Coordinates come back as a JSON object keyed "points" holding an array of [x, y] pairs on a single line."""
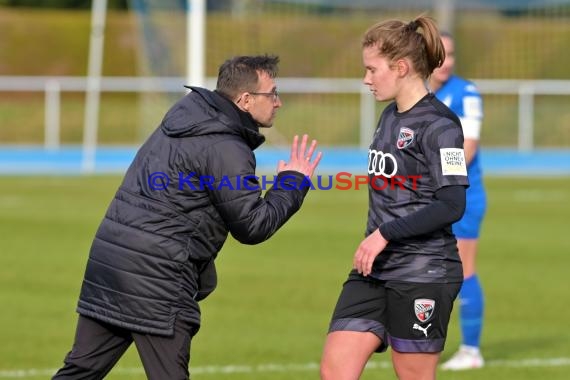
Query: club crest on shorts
{"points": [[405, 138], [424, 308]]}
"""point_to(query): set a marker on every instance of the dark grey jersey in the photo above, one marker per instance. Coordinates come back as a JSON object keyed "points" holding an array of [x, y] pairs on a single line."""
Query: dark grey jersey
{"points": [[413, 154]]}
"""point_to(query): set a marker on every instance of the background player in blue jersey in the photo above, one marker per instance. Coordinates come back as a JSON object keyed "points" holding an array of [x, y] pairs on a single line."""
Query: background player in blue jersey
{"points": [[406, 272], [463, 98]]}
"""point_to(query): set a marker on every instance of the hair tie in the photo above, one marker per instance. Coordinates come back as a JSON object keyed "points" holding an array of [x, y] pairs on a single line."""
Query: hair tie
{"points": [[413, 25]]}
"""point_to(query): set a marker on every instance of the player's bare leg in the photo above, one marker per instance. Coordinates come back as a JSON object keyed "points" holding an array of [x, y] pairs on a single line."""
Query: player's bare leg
{"points": [[468, 252], [415, 366], [346, 353]]}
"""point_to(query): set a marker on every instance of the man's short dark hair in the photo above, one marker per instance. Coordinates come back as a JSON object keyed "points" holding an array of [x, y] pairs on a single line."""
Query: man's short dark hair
{"points": [[240, 74]]}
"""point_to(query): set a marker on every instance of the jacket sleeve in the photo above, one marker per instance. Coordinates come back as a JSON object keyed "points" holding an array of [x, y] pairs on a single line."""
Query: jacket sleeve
{"points": [[236, 192]]}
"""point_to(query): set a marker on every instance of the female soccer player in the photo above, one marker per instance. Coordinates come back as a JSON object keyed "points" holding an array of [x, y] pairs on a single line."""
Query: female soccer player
{"points": [[463, 98], [406, 272]]}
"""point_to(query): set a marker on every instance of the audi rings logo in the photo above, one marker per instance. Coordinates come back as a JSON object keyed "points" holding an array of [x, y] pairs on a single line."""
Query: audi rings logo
{"points": [[381, 164]]}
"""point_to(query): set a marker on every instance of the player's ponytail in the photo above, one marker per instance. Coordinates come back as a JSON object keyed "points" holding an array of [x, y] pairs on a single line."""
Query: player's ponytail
{"points": [[435, 52]]}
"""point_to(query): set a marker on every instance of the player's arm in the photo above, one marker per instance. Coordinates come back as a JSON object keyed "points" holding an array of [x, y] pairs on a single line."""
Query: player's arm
{"points": [[471, 124], [470, 147], [447, 208], [441, 146]]}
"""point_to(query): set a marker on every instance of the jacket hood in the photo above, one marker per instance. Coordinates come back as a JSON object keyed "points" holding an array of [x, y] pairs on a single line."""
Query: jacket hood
{"points": [[204, 112]]}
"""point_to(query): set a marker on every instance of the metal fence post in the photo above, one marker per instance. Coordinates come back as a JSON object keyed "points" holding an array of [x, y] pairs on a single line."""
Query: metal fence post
{"points": [[52, 114], [526, 116], [367, 117]]}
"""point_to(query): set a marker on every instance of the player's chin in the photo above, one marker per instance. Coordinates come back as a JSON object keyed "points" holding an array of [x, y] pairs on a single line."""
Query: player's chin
{"points": [[381, 98], [444, 75]]}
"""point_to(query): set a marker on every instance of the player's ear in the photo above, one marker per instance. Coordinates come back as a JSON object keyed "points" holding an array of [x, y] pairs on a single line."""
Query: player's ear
{"points": [[403, 67]]}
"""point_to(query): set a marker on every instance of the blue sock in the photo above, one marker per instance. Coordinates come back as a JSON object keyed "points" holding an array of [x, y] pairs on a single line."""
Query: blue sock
{"points": [[471, 311]]}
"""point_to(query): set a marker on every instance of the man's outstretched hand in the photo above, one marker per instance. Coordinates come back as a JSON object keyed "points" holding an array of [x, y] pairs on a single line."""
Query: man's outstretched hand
{"points": [[300, 159]]}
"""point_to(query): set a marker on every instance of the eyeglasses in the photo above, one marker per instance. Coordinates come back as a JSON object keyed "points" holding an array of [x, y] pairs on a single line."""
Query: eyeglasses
{"points": [[273, 94]]}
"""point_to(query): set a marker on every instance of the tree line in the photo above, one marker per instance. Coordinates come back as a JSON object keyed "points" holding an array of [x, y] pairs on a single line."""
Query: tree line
{"points": [[69, 4], [212, 5]]}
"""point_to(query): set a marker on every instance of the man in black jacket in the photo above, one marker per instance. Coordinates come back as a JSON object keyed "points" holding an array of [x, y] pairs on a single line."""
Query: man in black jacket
{"points": [[191, 183]]}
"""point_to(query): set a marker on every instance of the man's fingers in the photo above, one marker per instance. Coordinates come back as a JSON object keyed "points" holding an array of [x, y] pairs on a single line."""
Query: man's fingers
{"points": [[294, 152], [312, 149], [317, 160], [300, 159], [301, 152]]}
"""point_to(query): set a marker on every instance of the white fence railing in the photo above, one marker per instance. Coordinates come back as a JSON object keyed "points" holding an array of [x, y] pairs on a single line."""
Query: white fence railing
{"points": [[53, 86]]}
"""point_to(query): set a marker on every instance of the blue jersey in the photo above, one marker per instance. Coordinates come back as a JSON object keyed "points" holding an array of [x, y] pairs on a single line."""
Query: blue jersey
{"points": [[463, 98]]}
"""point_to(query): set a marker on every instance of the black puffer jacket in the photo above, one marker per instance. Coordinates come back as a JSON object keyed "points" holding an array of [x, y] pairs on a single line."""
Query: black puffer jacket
{"points": [[159, 237]]}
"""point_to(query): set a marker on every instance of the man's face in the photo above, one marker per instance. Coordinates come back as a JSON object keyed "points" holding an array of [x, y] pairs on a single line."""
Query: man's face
{"points": [[263, 103]]}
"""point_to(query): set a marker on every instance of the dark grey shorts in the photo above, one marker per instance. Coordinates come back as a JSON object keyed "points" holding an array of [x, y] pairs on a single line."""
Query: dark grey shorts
{"points": [[411, 317]]}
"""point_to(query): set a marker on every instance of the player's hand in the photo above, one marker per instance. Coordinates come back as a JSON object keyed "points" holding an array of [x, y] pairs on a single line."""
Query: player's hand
{"points": [[367, 251], [300, 159]]}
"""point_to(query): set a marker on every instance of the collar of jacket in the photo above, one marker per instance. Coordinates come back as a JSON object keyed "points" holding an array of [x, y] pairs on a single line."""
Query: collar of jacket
{"points": [[232, 115]]}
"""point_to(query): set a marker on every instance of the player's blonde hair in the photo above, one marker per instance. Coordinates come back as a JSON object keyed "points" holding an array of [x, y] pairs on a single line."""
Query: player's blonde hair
{"points": [[397, 40]]}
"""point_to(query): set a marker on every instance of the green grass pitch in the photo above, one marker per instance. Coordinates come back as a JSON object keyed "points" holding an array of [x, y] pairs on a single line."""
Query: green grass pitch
{"points": [[269, 316]]}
